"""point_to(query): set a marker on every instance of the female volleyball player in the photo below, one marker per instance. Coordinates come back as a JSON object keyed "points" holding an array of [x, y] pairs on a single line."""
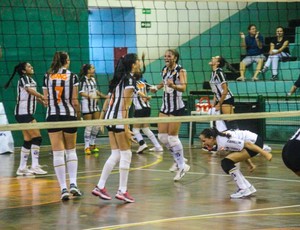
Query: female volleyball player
{"points": [[121, 90], [291, 153], [243, 144], [24, 111], [142, 108], [223, 97], [61, 94], [174, 80], [89, 105]]}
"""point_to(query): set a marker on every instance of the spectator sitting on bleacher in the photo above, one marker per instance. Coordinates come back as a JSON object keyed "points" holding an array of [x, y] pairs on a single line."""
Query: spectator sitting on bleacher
{"points": [[279, 47], [253, 43]]}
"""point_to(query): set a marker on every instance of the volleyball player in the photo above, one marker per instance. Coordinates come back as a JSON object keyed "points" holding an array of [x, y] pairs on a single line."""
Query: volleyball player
{"points": [[243, 144], [89, 105], [121, 91], [142, 108], [24, 111], [61, 94], [174, 81], [291, 153], [223, 98]]}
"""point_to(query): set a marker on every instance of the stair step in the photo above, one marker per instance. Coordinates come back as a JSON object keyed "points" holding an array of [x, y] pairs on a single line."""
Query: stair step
{"points": [[267, 88]]}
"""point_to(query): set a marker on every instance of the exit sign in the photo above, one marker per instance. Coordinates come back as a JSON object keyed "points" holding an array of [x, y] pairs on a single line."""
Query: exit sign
{"points": [[145, 24], [146, 11]]}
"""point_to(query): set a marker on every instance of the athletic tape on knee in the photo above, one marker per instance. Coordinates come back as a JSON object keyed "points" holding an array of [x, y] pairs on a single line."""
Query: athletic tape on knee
{"points": [[88, 131], [95, 130], [136, 131], [163, 138], [148, 132], [71, 155], [227, 165], [125, 159], [173, 141]]}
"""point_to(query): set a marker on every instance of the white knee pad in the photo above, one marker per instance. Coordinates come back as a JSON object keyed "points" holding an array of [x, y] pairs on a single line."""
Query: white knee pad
{"points": [[148, 132], [163, 138], [58, 158], [125, 159], [71, 155], [173, 141]]}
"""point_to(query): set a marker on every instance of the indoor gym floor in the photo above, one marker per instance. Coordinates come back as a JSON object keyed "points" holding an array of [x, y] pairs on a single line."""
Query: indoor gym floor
{"points": [[199, 201]]}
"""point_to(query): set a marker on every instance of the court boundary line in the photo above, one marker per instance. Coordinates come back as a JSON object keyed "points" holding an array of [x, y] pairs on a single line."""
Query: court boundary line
{"points": [[174, 219]]}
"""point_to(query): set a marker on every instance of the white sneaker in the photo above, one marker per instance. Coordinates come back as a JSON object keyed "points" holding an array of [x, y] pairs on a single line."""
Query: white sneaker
{"points": [[267, 148], [38, 170], [181, 173], [156, 149], [24, 172], [241, 193], [174, 167], [141, 148], [252, 189]]}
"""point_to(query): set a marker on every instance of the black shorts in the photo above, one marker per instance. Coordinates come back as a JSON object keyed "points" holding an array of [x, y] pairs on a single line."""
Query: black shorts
{"points": [[144, 112], [229, 101], [291, 155], [54, 118], [24, 118], [176, 113], [114, 129], [90, 113], [259, 142]]}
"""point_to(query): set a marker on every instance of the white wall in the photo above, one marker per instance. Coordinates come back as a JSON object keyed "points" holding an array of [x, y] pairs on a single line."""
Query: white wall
{"points": [[173, 22]]}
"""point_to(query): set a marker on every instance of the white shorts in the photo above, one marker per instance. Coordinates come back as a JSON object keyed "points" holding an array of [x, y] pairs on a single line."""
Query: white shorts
{"points": [[248, 60]]}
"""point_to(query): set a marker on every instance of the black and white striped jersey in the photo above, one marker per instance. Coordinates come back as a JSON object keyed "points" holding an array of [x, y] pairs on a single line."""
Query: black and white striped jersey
{"points": [[89, 86], [172, 99], [115, 107], [138, 101], [216, 81], [26, 103], [296, 136], [60, 88], [237, 140]]}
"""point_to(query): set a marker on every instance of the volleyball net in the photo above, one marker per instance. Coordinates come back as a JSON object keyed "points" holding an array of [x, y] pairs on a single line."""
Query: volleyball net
{"points": [[101, 31]]}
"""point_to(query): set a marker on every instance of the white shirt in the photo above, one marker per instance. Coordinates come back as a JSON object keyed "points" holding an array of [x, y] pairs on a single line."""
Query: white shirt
{"points": [[237, 140]]}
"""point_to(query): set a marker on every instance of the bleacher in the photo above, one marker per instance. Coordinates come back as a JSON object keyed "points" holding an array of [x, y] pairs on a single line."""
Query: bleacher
{"points": [[287, 65]]}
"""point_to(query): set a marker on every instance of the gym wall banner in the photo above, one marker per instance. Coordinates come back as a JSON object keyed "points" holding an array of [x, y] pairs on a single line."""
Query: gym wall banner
{"points": [[6, 138]]}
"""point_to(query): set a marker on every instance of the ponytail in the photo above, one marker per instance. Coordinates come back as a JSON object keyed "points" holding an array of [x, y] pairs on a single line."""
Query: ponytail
{"points": [[213, 132], [18, 69], [144, 66], [123, 68], [59, 60], [84, 70]]}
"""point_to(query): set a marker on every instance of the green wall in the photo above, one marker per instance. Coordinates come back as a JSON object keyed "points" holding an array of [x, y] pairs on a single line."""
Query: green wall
{"points": [[33, 31]]}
